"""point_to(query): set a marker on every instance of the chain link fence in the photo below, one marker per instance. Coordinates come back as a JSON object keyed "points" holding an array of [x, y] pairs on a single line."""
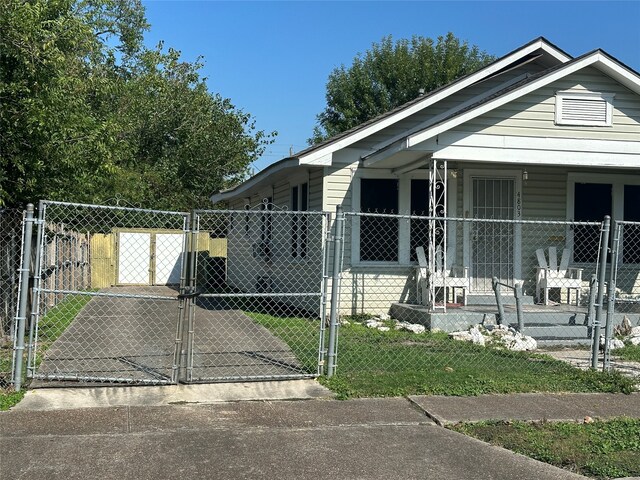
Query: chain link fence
{"points": [[125, 295], [423, 296], [621, 342], [10, 252]]}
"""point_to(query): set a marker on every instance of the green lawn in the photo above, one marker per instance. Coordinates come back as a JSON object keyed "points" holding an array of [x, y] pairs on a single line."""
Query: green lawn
{"points": [[601, 449], [629, 352], [373, 363], [50, 327]]}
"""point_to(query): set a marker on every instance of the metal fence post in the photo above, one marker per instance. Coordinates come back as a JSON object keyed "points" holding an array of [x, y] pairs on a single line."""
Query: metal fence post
{"points": [[611, 297], [604, 247], [335, 284], [496, 289], [24, 297], [519, 311]]}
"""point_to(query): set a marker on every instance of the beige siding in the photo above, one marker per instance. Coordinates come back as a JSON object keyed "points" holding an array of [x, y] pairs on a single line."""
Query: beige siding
{"points": [[533, 114], [316, 184]]}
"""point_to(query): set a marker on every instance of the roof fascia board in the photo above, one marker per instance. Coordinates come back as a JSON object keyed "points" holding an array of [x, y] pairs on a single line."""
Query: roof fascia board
{"points": [[432, 99], [395, 147], [380, 146], [254, 181], [593, 59]]}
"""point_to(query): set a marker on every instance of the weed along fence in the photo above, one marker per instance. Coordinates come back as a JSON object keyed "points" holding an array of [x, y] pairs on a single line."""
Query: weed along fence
{"points": [[382, 304]]}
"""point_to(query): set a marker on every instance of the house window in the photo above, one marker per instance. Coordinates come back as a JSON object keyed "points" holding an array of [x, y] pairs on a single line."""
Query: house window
{"points": [[611, 195], [299, 223], [263, 247], [592, 201], [379, 235], [631, 233], [419, 230], [584, 108]]}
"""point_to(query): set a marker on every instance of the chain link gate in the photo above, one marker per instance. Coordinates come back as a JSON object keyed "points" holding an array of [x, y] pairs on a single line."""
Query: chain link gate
{"points": [[256, 289], [106, 304], [135, 296]]}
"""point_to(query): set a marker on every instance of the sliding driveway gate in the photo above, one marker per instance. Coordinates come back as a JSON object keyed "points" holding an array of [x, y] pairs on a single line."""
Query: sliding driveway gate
{"points": [[126, 295]]}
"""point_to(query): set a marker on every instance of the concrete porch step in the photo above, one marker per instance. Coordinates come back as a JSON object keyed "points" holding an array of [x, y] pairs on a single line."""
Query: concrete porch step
{"points": [[551, 332], [546, 317], [490, 299]]}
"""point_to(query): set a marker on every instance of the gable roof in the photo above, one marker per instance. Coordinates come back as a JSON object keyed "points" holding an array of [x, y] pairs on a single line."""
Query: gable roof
{"points": [[597, 58], [320, 154]]}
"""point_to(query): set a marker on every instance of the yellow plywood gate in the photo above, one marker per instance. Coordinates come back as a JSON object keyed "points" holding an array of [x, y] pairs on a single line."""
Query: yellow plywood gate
{"points": [[103, 269]]}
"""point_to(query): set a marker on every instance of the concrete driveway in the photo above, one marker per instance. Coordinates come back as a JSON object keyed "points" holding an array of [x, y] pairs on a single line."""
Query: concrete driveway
{"points": [[132, 340]]}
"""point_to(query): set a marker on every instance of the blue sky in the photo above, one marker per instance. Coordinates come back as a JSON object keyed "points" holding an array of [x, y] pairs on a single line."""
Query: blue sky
{"points": [[272, 59]]}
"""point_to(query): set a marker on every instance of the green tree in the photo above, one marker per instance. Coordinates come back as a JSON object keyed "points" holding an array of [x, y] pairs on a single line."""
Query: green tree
{"points": [[390, 74], [180, 142], [88, 113]]}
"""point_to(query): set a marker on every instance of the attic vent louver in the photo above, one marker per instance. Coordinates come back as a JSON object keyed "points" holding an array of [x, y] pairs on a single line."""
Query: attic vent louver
{"points": [[584, 108]]}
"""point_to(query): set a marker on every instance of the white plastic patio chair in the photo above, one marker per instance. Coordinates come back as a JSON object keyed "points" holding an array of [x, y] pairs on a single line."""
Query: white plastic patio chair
{"points": [[454, 277]]}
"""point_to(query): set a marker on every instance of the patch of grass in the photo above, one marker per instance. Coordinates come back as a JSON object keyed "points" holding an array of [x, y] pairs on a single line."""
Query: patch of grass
{"points": [[373, 364], [50, 327], [9, 398], [629, 352], [603, 449], [57, 319]]}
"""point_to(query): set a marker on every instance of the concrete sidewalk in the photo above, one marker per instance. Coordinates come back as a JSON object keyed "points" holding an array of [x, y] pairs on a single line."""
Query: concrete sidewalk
{"points": [[213, 431], [568, 407], [325, 439]]}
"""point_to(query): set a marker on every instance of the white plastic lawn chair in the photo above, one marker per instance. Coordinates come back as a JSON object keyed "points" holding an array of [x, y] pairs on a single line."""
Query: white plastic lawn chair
{"points": [[552, 275], [455, 277]]}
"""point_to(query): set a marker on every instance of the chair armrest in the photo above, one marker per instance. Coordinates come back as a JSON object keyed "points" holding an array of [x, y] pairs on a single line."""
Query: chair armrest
{"points": [[575, 273], [542, 272], [460, 272]]}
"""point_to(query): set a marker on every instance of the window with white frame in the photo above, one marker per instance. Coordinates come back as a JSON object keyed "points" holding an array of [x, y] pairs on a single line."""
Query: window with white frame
{"points": [[592, 197], [379, 234], [584, 108], [389, 239], [299, 223]]}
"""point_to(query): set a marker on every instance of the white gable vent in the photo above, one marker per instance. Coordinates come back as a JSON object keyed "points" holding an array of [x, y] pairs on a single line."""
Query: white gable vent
{"points": [[584, 108]]}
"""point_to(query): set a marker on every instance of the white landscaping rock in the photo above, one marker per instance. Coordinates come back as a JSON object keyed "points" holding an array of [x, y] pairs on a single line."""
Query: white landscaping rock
{"points": [[615, 343], [383, 328], [463, 336], [384, 316], [373, 323], [410, 327], [498, 335], [476, 335], [634, 340]]}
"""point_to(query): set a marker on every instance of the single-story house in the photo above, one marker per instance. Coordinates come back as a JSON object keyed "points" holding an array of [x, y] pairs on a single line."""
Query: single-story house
{"points": [[537, 134]]}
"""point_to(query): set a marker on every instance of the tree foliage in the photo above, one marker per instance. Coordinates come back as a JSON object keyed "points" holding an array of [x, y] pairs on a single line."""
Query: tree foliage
{"points": [[88, 113], [390, 74]]}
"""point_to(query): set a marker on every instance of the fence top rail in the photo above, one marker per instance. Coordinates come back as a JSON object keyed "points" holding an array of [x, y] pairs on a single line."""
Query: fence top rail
{"points": [[109, 207], [627, 222], [261, 212], [474, 220]]}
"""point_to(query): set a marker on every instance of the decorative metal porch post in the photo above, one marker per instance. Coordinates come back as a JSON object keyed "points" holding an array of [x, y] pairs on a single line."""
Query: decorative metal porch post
{"points": [[437, 228]]}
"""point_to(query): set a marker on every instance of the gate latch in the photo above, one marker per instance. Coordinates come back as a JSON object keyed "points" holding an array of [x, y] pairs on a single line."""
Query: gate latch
{"points": [[194, 294]]}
